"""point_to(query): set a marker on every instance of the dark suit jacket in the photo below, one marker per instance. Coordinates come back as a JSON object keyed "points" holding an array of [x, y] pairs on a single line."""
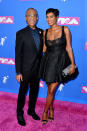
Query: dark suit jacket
{"points": [[27, 56]]}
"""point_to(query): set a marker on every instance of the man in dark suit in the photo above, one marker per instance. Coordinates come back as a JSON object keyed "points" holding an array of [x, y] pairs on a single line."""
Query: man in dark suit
{"points": [[28, 52]]}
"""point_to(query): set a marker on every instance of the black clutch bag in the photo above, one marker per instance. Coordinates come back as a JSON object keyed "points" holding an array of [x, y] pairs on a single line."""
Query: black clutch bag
{"points": [[65, 73]]}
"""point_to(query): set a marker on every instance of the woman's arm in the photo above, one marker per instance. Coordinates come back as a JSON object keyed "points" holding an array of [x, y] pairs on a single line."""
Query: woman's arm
{"points": [[69, 49], [44, 46]]}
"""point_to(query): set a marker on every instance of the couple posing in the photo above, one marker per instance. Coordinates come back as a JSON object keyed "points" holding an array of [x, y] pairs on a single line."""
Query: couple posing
{"points": [[31, 41]]}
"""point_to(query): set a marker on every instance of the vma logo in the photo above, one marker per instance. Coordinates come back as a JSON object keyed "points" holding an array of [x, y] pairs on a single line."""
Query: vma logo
{"points": [[84, 89], [8, 61], [6, 19], [63, 0], [61, 87], [41, 84], [2, 40], [86, 45], [30, 0], [4, 80], [69, 21]]}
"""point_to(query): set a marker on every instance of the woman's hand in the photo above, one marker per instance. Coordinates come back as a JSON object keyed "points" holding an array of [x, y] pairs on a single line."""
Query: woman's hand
{"points": [[72, 70]]}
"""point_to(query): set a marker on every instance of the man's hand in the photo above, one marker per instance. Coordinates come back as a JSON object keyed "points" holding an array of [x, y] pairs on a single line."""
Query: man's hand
{"points": [[19, 78]]}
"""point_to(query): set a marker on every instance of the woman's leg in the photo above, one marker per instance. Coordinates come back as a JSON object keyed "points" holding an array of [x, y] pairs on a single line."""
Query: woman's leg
{"points": [[51, 106], [51, 112], [51, 90], [49, 100]]}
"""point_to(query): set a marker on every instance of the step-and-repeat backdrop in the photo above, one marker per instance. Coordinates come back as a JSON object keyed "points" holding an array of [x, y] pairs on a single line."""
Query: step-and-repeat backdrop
{"points": [[12, 19]]}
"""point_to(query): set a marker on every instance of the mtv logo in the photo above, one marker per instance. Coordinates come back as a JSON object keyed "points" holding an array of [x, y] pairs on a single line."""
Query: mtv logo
{"points": [[84, 89], [86, 45], [2, 41], [41, 84]]}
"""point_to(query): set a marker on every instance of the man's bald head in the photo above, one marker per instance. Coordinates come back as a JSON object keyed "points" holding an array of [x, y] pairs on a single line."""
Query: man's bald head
{"points": [[31, 10]]}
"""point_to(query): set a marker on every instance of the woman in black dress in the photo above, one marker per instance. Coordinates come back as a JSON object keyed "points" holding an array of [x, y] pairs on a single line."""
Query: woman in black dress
{"points": [[57, 55]]}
